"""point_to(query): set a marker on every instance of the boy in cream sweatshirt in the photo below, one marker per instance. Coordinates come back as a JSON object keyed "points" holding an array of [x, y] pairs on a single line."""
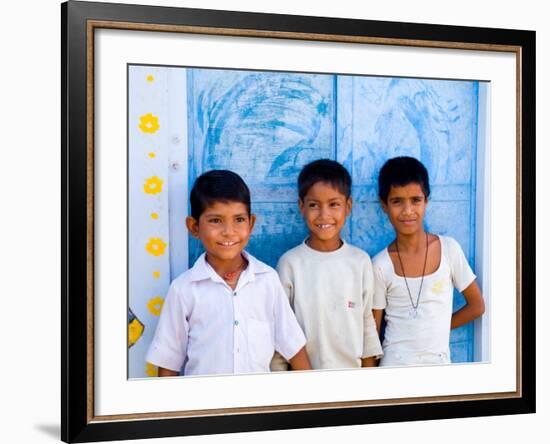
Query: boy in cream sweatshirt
{"points": [[330, 283]]}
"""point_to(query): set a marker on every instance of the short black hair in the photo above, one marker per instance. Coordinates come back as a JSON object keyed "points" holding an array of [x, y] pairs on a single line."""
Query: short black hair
{"points": [[218, 186], [327, 171], [401, 171]]}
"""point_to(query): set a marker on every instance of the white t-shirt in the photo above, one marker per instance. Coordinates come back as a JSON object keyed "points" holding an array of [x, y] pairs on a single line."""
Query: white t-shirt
{"points": [[206, 327], [331, 294], [424, 338]]}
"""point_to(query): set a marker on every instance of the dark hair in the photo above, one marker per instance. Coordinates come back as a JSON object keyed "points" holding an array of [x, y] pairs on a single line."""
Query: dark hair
{"points": [[401, 171], [327, 171], [217, 186]]}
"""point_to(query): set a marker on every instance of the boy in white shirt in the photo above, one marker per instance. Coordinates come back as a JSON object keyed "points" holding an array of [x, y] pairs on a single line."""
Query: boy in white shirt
{"points": [[228, 313], [416, 274], [330, 283]]}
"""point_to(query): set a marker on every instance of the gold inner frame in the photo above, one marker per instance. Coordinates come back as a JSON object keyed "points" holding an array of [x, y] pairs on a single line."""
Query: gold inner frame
{"points": [[92, 25]]}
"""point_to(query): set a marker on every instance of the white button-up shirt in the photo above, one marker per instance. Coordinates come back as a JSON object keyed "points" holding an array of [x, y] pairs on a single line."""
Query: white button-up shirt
{"points": [[206, 327]]}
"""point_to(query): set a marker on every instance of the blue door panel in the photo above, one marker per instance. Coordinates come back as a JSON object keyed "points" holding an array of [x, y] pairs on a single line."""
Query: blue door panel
{"points": [[265, 126]]}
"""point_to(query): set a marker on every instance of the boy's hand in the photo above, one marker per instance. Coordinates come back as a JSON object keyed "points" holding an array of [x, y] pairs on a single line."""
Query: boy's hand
{"points": [[300, 361], [371, 361], [167, 372]]}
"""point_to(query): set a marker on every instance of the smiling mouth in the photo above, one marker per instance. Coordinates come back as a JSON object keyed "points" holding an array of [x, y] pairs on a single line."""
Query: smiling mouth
{"points": [[227, 244], [324, 226]]}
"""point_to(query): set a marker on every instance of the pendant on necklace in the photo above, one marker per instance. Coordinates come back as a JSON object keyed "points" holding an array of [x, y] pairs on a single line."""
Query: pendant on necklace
{"points": [[413, 312], [231, 275]]}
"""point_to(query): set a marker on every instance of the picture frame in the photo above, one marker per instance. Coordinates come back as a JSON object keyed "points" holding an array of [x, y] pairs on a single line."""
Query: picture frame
{"points": [[81, 181]]}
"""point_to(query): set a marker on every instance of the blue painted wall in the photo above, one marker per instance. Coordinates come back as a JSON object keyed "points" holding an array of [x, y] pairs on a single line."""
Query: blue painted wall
{"points": [[266, 126]]}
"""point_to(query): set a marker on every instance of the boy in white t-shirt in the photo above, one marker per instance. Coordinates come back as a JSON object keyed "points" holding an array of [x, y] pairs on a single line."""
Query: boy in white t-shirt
{"points": [[329, 282], [228, 313], [417, 272]]}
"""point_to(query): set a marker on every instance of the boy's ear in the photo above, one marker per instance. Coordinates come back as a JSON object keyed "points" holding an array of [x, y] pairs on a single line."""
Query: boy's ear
{"points": [[301, 205], [349, 205], [192, 225], [252, 221], [384, 206]]}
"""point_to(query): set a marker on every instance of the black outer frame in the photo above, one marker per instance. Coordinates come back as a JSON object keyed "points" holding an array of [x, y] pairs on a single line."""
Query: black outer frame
{"points": [[75, 426]]}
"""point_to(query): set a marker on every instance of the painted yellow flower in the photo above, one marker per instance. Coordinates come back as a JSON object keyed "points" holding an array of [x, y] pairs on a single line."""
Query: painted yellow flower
{"points": [[149, 123], [154, 216], [153, 185], [155, 305], [151, 370], [152, 155], [150, 78], [155, 246], [156, 274]]}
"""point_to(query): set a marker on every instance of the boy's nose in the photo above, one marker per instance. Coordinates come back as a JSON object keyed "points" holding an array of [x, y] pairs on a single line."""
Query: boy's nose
{"points": [[227, 228], [325, 211], [408, 208]]}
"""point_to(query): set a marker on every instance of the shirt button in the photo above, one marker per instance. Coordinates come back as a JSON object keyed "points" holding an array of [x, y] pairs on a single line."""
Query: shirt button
{"points": [[234, 293], [236, 323]]}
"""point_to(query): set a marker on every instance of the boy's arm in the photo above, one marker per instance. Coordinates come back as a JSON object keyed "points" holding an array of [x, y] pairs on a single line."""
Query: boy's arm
{"points": [[279, 363], [300, 361], [379, 300], [165, 350], [371, 361], [288, 334], [464, 280], [475, 306], [286, 278], [372, 350], [167, 372], [378, 316]]}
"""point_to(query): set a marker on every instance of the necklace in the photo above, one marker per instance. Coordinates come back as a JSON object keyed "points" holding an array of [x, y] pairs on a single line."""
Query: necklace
{"points": [[232, 275], [414, 306]]}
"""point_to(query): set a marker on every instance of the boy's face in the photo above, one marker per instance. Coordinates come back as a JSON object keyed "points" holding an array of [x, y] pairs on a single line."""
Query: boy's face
{"points": [[325, 209], [224, 229], [406, 207]]}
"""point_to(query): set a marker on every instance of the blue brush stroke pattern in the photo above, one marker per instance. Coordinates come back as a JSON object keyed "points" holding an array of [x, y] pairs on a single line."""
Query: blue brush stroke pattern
{"points": [[265, 126], [262, 125]]}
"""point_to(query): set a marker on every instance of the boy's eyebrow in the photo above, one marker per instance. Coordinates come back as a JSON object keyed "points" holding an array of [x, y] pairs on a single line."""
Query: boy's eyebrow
{"points": [[330, 200], [206, 214], [410, 197]]}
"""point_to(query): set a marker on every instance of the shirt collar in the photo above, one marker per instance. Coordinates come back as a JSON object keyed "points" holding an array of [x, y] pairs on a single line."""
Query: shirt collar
{"points": [[201, 270]]}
